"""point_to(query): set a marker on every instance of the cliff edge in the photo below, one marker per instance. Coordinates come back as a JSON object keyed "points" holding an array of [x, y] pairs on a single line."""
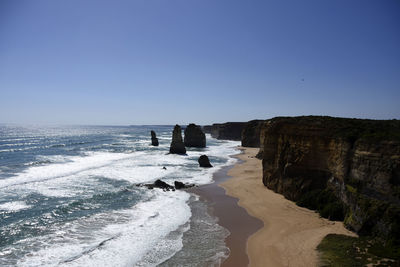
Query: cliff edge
{"points": [[347, 169]]}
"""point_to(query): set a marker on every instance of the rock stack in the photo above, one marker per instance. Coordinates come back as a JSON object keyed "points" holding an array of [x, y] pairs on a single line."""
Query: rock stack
{"points": [[204, 161], [177, 145], [154, 139], [194, 136]]}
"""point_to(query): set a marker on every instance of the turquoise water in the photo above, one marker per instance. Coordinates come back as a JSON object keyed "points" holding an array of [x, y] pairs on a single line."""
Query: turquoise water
{"points": [[68, 197]]}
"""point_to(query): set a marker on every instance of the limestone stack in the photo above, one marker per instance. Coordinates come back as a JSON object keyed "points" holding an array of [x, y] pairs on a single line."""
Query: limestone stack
{"points": [[177, 145], [154, 139], [194, 136]]}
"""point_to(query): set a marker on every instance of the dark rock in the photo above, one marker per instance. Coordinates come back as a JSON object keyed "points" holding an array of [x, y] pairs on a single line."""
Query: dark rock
{"points": [[154, 139], [228, 130], [158, 184], [164, 168], [177, 145], [204, 161], [180, 185], [162, 185], [207, 128], [166, 187], [251, 133], [194, 136]]}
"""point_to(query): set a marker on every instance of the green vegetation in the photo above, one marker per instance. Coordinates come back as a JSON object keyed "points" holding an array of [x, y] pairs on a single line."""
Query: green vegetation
{"points": [[340, 250], [325, 202], [351, 189]]}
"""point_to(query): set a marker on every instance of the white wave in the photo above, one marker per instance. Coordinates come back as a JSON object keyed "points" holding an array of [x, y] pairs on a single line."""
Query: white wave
{"points": [[128, 237], [123, 238], [64, 174], [75, 165], [14, 206], [19, 144]]}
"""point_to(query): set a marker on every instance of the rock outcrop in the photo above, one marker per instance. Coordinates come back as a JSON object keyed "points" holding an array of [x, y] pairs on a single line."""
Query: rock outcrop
{"points": [[166, 187], [154, 139], [194, 136], [180, 185], [207, 129], [159, 184], [204, 161], [226, 131], [345, 168], [251, 133], [177, 145]]}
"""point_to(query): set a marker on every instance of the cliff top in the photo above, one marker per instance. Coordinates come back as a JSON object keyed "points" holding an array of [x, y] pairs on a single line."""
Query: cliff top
{"points": [[346, 128]]}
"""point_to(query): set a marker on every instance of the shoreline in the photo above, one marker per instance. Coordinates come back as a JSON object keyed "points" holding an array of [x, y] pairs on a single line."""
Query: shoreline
{"points": [[230, 215], [290, 233]]}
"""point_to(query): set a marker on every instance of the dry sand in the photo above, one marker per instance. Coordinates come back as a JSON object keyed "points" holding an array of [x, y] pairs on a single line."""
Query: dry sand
{"points": [[290, 234]]}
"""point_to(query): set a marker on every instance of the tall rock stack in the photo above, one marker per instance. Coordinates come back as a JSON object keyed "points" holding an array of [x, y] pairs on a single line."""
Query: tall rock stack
{"points": [[194, 136], [154, 139], [177, 145]]}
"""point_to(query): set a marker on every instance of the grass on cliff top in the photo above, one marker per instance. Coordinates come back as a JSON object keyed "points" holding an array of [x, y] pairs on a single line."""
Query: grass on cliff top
{"points": [[340, 250]]}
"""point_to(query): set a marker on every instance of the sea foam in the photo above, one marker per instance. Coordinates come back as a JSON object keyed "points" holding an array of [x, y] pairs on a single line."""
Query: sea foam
{"points": [[147, 233], [137, 231]]}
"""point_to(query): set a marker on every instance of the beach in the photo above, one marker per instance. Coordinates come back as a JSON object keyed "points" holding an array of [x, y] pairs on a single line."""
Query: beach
{"points": [[290, 234]]}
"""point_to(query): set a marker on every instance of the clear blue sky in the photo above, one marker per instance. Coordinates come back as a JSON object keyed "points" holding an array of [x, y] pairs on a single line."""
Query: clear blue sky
{"points": [[202, 61]]}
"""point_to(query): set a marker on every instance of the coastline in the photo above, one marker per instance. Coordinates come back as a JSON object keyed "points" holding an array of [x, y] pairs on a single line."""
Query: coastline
{"points": [[230, 215], [291, 233]]}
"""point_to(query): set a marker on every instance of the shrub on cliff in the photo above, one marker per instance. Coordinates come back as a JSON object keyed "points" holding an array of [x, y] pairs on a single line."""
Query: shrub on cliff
{"points": [[325, 202]]}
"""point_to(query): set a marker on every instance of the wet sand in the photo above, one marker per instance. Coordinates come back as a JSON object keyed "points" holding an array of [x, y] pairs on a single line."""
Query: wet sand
{"points": [[231, 216], [290, 234]]}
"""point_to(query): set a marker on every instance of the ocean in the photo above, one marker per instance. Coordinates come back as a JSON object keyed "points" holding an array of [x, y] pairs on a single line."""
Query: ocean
{"points": [[69, 197]]}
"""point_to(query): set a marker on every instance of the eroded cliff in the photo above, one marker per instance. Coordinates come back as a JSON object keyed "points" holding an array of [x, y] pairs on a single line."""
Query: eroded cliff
{"points": [[251, 133], [345, 168], [226, 131]]}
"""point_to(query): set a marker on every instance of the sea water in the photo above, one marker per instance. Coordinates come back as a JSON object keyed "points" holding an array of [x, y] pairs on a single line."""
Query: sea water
{"points": [[69, 197]]}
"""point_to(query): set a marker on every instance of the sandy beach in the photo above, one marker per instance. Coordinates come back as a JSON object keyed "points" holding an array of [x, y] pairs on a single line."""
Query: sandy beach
{"points": [[231, 216], [290, 233]]}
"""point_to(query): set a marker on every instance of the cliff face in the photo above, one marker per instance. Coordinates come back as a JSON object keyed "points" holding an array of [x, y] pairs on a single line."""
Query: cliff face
{"points": [[251, 133], [343, 167], [226, 131], [207, 128]]}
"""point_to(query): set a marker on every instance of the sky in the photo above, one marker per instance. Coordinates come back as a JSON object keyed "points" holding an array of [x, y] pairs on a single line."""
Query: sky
{"points": [[202, 61]]}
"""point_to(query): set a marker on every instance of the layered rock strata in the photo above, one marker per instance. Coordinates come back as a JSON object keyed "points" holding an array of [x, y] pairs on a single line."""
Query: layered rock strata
{"points": [[346, 168], [251, 133]]}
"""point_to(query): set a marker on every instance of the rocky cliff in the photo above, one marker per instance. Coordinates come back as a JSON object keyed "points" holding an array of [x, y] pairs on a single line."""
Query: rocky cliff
{"points": [[344, 168], [226, 131], [207, 128], [251, 133]]}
